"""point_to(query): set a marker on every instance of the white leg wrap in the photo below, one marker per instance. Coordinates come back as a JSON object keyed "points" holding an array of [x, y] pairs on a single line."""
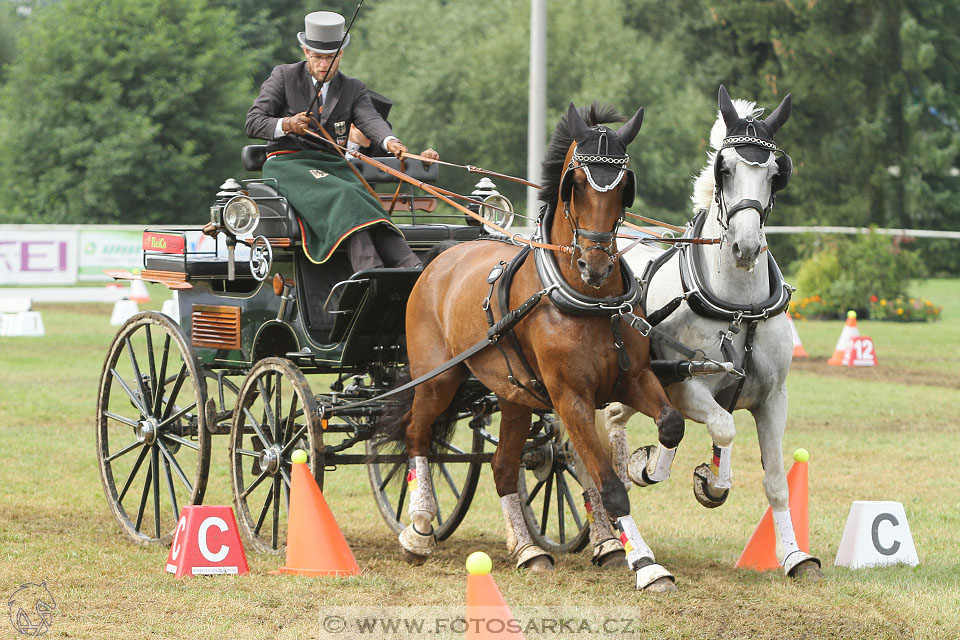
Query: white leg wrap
{"points": [[786, 538], [633, 542], [639, 555], [658, 466], [519, 544], [724, 470], [422, 508], [517, 534]]}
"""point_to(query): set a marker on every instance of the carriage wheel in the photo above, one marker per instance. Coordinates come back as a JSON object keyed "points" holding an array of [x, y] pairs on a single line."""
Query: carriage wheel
{"points": [[275, 415], [551, 494], [454, 482], [152, 440]]}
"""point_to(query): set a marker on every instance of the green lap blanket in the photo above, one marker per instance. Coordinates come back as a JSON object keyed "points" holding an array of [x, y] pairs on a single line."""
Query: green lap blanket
{"points": [[331, 201]]}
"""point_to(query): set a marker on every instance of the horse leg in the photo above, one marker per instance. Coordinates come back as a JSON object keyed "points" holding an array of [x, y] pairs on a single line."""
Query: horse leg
{"points": [[580, 421], [711, 481], [608, 551], [651, 464], [614, 420], [771, 420], [514, 429], [429, 401]]}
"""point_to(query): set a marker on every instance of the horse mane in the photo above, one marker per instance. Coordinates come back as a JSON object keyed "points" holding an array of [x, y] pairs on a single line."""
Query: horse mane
{"points": [[705, 183], [553, 162]]}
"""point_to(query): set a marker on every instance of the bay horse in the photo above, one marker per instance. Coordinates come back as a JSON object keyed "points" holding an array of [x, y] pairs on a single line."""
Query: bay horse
{"points": [[566, 355], [733, 305]]}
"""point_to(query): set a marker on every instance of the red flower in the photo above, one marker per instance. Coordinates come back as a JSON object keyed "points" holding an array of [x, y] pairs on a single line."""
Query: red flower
{"points": [[873, 298]]}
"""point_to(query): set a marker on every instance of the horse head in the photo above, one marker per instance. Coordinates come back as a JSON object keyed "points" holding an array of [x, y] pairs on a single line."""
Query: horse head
{"points": [[594, 190], [748, 171]]}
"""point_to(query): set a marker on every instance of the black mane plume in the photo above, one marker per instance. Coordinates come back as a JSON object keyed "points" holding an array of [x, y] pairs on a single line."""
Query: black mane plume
{"points": [[553, 166]]}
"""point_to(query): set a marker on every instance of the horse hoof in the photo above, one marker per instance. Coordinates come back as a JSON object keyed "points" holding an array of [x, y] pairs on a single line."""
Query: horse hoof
{"points": [[702, 491], [637, 466], [538, 564], [414, 559], [613, 560], [661, 585], [807, 571]]}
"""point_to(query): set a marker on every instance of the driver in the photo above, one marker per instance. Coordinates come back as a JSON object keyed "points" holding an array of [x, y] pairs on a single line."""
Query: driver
{"points": [[335, 207]]}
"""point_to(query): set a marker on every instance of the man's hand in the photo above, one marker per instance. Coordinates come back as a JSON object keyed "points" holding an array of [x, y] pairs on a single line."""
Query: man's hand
{"points": [[396, 148], [298, 124], [430, 153]]}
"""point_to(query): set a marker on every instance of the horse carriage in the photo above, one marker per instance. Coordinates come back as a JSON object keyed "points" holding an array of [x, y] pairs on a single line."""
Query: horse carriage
{"points": [[256, 319], [237, 361]]}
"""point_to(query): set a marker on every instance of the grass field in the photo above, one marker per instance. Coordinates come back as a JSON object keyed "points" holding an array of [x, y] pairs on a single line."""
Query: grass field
{"points": [[890, 433]]}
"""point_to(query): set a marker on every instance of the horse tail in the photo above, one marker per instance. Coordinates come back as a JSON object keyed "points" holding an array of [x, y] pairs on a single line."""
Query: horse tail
{"points": [[391, 430]]}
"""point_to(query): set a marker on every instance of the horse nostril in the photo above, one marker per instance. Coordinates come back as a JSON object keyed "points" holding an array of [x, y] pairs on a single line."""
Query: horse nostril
{"points": [[736, 248], [582, 264]]}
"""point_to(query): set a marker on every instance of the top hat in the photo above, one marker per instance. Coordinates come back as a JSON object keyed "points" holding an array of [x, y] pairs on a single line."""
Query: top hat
{"points": [[323, 31]]}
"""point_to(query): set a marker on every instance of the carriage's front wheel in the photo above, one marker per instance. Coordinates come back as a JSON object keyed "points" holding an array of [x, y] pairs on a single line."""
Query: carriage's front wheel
{"points": [[275, 415], [152, 441], [551, 495]]}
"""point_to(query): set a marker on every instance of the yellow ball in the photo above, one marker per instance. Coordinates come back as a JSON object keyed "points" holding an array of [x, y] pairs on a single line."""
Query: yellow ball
{"points": [[851, 314], [299, 456], [479, 563], [801, 455]]}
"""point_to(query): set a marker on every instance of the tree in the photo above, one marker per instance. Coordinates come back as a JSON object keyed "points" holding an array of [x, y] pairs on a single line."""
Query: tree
{"points": [[122, 111], [461, 86]]}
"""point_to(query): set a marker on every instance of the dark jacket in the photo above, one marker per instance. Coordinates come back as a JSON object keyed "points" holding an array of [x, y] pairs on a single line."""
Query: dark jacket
{"points": [[289, 90]]}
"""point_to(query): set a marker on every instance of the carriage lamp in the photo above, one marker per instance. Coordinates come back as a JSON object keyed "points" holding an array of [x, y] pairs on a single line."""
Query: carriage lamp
{"points": [[241, 215], [500, 211]]}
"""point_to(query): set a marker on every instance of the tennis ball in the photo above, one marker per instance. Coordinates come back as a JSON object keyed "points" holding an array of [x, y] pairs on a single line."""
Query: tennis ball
{"points": [[801, 455], [299, 456], [479, 563], [851, 314]]}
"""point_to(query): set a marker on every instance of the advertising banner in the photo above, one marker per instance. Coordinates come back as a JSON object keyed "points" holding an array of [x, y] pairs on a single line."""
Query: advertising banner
{"points": [[38, 257], [108, 249]]}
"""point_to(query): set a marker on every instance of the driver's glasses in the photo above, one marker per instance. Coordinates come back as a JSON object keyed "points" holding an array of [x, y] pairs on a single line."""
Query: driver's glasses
{"points": [[321, 57]]}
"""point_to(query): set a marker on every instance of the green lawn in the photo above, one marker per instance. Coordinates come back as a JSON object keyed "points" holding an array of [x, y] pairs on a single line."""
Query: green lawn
{"points": [[891, 435]]}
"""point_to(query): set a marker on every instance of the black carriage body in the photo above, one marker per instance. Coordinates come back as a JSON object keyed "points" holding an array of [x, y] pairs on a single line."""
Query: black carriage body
{"points": [[333, 320]]}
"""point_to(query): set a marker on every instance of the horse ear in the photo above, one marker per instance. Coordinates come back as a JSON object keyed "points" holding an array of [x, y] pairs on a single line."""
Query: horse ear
{"points": [[727, 110], [578, 127], [628, 132], [780, 115]]}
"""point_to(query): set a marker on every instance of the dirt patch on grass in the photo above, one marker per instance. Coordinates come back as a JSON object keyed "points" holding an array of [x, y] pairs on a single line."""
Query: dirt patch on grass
{"points": [[819, 366]]}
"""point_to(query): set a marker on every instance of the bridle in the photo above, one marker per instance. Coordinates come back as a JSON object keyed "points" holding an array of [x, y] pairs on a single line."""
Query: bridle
{"points": [[603, 240], [780, 180]]}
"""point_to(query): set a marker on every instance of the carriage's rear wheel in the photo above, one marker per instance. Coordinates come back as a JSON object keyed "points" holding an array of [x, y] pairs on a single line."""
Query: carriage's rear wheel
{"points": [[551, 494], [152, 440], [275, 415], [454, 480]]}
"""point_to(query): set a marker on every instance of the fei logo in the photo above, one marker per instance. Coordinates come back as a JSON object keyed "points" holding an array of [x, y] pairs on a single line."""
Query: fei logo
{"points": [[32, 609]]}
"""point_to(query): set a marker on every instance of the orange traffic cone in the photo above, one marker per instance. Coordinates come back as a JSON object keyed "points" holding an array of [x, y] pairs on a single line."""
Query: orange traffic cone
{"points": [[798, 350], [315, 545], [138, 290], [761, 551], [488, 615], [849, 332]]}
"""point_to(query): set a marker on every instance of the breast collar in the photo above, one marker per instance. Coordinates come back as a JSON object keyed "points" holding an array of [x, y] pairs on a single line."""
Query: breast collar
{"points": [[565, 297], [705, 303]]}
